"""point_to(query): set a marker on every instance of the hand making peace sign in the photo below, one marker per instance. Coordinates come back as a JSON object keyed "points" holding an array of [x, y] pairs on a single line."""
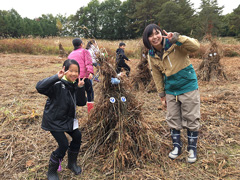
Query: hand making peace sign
{"points": [[62, 72], [81, 82], [168, 35]]}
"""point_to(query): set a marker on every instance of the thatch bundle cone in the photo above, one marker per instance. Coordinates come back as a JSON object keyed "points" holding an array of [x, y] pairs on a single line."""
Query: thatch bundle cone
{"points": [[210, 69], [142, 79], [116, 131]]}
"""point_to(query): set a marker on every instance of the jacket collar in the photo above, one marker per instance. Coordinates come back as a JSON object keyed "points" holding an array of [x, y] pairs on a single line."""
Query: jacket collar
{"points": [[71, 86], [167, 48]]}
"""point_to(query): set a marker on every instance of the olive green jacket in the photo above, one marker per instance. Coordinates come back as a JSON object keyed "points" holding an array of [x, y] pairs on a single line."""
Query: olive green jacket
{"points": [[174, 63]]}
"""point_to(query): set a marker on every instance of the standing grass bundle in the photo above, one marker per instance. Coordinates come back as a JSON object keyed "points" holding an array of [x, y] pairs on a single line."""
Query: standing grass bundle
{"points": [[210, 69], [116, 130], [142, 79], [62, 52]]}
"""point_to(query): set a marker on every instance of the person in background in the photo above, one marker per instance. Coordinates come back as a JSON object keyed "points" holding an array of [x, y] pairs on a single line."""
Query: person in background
{"points": [[120, 59], [177, 84], [65, 91], [94, 51], [84, 59]]}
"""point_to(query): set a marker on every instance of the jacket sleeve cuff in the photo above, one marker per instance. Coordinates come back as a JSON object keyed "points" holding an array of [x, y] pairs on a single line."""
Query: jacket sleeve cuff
{"points": [[162, 94], [175, 38]]}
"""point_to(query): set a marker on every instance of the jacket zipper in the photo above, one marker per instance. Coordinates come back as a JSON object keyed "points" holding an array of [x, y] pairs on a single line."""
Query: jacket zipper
{"points": [[169, 61]]}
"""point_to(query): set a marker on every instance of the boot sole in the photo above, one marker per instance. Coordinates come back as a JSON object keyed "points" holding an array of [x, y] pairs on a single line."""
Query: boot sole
{"points": [[76, 173], [173, 156], [192, 160]]}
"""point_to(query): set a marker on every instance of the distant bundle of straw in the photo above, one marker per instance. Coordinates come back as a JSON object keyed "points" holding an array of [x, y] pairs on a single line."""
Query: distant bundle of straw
{"points": [[116, 130], [210, 69]]}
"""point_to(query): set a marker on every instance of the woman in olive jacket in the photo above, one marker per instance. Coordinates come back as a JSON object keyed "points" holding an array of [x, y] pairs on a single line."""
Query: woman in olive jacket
{"points": [[176, 82], [64, 91]]}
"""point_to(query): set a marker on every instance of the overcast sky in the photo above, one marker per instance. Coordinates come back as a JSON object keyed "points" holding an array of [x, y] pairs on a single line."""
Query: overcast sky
{"points": [[33, 9]]}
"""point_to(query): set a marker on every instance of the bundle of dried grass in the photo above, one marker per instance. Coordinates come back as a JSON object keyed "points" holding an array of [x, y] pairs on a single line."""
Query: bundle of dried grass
{"points": [[210, 69], [142, 79], [62, 52], [116, 130]]}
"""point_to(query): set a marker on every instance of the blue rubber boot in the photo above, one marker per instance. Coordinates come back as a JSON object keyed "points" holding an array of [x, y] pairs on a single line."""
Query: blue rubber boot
{"points": [[192, 146], [177, 144]]}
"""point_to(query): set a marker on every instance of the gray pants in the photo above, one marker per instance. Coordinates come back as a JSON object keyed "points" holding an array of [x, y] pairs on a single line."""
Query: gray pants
{"points": [[183, 111]]}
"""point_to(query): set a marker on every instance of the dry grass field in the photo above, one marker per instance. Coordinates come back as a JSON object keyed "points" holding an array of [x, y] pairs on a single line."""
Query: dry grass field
{"points": [[25, 148]]}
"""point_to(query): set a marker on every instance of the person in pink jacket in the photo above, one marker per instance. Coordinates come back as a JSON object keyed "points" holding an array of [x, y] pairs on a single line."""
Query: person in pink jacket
{"points": [[84, 59]]}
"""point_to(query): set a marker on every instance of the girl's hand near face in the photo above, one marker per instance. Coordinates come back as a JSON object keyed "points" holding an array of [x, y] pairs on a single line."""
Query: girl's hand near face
{"points": [[81, 82], [168, 35], [62, 72]]}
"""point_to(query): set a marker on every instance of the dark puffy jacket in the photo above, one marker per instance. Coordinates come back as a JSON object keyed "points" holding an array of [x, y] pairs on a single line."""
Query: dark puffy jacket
{"points": [[60, 108], [120, 56]]}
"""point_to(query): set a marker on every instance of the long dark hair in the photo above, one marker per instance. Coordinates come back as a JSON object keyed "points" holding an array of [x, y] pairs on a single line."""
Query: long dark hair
{"points": [[67, 63], [147, 32], [90, 43]]}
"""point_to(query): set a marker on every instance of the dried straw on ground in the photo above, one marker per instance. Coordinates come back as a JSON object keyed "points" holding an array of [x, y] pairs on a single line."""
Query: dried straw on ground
{"points": [[210, 69], [142, 79], [25, 147], [117, 131]]}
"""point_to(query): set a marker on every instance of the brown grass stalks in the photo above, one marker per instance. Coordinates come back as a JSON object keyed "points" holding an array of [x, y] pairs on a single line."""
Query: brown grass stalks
{"points": [[117, 130], [210, 69], [25, 148], [133, 47], [142, 78]]}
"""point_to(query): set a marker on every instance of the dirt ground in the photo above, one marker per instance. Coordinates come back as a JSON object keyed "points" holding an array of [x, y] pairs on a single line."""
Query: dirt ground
{"points": [[25, 148]]}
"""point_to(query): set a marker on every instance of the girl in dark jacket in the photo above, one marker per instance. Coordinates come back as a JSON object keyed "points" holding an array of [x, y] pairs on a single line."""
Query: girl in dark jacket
{"points": [[64, 90]]}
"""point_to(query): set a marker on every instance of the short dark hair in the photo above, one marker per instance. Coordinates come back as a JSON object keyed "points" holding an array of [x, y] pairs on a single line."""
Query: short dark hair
{"points": [[147, 32], [67, 63], [76, 43], [122, 44]]}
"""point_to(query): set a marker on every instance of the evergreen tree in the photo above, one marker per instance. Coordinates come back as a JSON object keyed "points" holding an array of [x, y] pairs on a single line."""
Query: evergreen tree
{"points": [[3, 24], [109, 19], [234, 20], [145, 12], [209, 18], [92, 14], [27, 27], [48, 24], [14, 24], [77, 23], [127, 11], [113, 19], [225, 29], [36, 28]]}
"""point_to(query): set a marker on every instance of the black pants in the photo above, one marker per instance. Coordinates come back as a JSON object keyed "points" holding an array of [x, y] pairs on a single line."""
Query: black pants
{"points": [[124, 66], [63, 144], [89, 90]]}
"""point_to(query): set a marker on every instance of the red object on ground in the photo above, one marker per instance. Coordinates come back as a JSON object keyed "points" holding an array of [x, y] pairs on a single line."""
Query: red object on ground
{"points": [[90, 106]]}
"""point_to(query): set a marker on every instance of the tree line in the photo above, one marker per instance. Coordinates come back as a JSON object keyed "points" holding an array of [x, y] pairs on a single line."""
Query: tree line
{"points": [[114, 19]]}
